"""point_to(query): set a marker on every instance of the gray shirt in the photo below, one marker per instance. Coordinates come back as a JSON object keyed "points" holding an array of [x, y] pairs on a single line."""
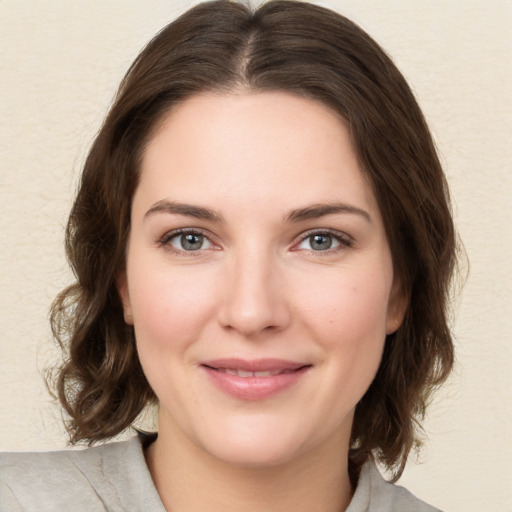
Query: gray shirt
{"points": [[115, 478]]}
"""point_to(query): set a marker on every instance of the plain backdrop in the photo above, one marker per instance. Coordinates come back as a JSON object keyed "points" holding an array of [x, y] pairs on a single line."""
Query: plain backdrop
{"points": [[60, 63]]}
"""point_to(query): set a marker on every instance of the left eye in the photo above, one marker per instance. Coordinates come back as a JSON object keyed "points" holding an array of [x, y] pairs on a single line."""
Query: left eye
{"points": [[320, 242], [189, 241]]}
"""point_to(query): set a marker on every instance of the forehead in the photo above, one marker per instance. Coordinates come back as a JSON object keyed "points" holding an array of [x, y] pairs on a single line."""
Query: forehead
{"points": [[255, 147]]}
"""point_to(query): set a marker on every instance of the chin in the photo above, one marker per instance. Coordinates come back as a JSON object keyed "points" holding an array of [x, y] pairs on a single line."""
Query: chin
{"points": [[254, 455], [255, 443]]}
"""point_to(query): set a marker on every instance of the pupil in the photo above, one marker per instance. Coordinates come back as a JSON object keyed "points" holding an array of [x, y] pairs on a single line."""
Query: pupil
{"points": [[321, 242], [191, 242]]}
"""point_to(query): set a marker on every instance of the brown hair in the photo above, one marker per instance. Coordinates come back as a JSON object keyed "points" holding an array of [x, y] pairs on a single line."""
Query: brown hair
{"points": [[306, 50]]}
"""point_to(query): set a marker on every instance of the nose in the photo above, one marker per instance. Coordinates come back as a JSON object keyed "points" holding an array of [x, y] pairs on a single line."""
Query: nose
{"points": [[254, 298]]}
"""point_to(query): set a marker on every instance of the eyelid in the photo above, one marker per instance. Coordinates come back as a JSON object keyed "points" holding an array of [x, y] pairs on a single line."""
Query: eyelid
{"points": [[164, 241], [343, 238]]}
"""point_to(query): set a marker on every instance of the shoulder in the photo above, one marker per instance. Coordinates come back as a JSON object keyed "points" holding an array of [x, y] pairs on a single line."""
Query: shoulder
{"points": [[75, 479], [95, 479], [375, 494]]}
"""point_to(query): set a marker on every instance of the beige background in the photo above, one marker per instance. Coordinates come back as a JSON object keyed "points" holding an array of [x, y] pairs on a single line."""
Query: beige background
{"points": [[60, 61]]}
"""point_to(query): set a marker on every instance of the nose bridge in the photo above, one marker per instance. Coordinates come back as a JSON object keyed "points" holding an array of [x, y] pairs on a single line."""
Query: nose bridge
{"points": [[253, 299]]}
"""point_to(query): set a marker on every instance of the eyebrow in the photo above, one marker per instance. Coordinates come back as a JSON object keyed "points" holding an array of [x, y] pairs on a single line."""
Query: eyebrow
{"points": [[198, 212], [316, 211]]}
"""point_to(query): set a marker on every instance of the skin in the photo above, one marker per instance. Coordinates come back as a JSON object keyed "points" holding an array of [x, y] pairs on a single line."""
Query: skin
{"points": [[257, 287]]}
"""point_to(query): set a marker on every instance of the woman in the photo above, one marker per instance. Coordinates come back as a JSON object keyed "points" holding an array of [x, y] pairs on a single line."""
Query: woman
{"points": [[263, 246]]}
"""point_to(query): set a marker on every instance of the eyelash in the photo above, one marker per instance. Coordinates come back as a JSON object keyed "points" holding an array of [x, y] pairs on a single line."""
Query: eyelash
{"points": [[344, 240], [166, 239]]}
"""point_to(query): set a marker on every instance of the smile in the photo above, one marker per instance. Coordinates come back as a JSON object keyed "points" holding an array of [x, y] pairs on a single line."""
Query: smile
{"points": [[245, 373], [254, 380]]}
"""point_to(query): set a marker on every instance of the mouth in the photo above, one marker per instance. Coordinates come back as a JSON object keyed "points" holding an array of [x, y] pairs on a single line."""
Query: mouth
{"points": [[255, 379], [245, 373], [255, 367]]}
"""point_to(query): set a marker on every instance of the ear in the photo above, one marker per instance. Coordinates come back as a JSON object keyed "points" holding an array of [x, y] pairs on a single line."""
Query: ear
{"points": [[124, 295], [397, 307]]}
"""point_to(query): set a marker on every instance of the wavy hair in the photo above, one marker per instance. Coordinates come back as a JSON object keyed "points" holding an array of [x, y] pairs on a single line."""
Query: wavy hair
{"points": [[305, 50]]}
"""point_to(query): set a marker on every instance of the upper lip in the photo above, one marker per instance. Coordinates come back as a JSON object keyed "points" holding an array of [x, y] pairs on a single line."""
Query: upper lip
{"points": [[254, 365]]}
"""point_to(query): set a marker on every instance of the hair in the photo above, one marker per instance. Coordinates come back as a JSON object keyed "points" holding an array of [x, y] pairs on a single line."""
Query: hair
{"points": [[303, 49]]}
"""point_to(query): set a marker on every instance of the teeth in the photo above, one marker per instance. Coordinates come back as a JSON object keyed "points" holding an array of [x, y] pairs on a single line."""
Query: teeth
{"points": [[245, 373], [262, 374]]}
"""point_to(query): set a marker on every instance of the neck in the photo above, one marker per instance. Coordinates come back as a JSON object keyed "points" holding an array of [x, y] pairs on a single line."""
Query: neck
{"points": [[189, 480]]}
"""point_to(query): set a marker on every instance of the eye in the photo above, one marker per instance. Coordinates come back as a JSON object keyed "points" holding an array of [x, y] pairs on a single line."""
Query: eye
{"points": [[321, 241], [187, 241]]}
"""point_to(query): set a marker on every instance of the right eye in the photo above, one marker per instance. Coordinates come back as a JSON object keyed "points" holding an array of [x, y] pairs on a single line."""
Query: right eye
{"points": [[187, 241]]}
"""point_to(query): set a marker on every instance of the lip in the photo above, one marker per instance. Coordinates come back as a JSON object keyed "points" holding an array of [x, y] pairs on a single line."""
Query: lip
{"points": [[279, 375]]}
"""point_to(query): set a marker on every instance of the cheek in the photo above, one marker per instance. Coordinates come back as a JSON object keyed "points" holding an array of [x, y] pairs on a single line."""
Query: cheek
{"points": [[347, 317], [348, 307], [169, 308], [349, 322]]}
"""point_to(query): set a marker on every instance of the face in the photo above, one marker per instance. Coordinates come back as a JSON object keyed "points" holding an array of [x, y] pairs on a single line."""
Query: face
{"points": [[258, 279]]}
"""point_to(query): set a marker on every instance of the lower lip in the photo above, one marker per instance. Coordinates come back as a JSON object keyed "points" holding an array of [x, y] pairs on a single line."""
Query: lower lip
{"points": [[254, 388]]}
